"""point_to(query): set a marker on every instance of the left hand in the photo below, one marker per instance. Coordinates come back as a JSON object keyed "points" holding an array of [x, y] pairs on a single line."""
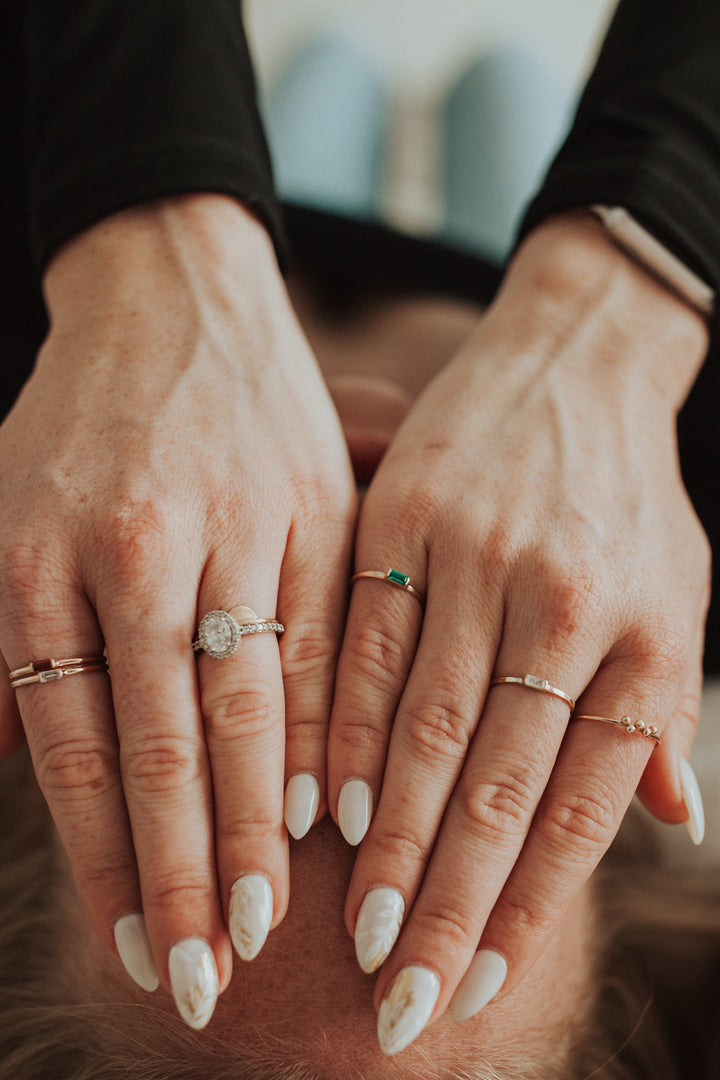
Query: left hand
{"points": [[534, 495]]}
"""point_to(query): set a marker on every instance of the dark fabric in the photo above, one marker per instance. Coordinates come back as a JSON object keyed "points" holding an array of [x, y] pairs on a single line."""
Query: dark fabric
{"points": [[106, 103]]}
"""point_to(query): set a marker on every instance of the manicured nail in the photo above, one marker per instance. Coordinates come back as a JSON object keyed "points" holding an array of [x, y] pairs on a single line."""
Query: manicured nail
{"points": [[302, 796], [251, 912], [692, 798], [479, 984], [354, 810], [194, 981], [378, 925], [134, 947], [406, 1008]]}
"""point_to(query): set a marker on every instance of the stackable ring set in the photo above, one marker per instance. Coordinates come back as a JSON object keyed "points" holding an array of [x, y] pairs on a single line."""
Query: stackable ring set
{"points": [[220, 632]]}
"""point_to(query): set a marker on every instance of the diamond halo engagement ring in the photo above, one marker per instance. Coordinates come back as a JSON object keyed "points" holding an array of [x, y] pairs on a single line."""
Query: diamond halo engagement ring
{"points": [[219, 632]]}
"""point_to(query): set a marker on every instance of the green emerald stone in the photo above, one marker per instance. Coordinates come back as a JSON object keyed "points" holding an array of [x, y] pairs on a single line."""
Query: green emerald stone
{"points": [[398, 578]]}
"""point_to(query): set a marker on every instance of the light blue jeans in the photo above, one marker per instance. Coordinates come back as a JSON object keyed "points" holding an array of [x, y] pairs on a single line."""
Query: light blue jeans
{"points": [[501, 122]]}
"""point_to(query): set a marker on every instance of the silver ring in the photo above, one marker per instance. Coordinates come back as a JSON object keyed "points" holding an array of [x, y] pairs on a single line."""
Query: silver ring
{"points": [[219, 632]]}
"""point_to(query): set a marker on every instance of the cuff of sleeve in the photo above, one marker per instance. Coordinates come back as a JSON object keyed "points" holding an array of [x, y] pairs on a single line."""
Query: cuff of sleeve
{"points": [[85, 196]]}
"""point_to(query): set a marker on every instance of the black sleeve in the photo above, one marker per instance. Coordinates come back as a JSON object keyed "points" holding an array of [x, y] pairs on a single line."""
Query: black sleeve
{"points": [[129, 100], [647, 131]]}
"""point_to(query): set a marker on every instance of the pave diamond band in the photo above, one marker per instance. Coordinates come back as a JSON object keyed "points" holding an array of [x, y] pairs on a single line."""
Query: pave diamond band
{"points": [[50, 670], [220, 632], [535, 683], [630, 726], [394, 577]]}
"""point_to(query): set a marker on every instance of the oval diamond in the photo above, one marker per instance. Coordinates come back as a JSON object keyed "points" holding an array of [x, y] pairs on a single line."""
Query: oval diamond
{"points": [[219, 634]]}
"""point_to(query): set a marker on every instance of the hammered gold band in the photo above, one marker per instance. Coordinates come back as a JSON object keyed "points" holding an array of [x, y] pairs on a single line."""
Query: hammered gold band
{"points": [[394, 577], [535, 683], [630, 726], [50, 670]]}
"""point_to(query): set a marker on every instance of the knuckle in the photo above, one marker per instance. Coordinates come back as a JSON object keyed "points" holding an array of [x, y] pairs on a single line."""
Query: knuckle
{"points": [[573, 595], [248, 712], [31, 575], [309, 657], [378, 656], [361, 738], [178, 889], [503, 807], [135, 539], [160, 763], [252, 827], [527, 918], [438, 730], [77, 770], [401, 846], [445, 922], [587, 821]]}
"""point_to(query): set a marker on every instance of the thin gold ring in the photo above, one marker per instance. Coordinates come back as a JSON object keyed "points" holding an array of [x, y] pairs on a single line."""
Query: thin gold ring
{"points": [[535, 683], [629, 725], [50, 670], [394, 577]]}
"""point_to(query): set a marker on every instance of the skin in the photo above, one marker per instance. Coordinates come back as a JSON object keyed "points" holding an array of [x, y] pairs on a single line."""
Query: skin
{"points": [[532, 491]]}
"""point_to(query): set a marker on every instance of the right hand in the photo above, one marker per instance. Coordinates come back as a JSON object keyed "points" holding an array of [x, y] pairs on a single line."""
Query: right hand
{"points": [[175, 451]]}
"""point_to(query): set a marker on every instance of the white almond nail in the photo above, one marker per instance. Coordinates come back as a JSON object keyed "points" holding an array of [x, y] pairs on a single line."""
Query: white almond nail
{"points": [[251, 912], [479, 984], [134, 948], [406, 1008], [692, 798], [194, 981], [378, 925], [302, 796], [354, 810]]}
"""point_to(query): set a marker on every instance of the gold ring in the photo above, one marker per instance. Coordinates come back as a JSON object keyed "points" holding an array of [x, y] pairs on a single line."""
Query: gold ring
{"points": [[394, 577], [630, 726], [50, 670], [535, 683], [219, 632]]}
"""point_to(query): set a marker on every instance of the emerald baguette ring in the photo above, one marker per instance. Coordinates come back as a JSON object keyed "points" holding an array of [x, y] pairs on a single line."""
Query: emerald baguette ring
{"points": [[394, 577], [219, 632]]}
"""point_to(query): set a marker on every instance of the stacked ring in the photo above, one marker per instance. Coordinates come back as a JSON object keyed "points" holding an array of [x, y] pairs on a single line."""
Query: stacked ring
{"points": [[630, 726], [219, 632], [50, 670]]}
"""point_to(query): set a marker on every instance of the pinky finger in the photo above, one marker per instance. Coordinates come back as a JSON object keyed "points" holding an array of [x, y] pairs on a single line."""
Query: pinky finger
{"points": [[669, 789]]}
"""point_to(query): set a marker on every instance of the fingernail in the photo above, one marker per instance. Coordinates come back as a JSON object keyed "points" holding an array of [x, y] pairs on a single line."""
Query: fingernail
{"points": [[194, 981], [406, 1008], [302, 796], [251, 912], [134, 948], [354, 810], [692, 798], [479, 984], [378, 925]]}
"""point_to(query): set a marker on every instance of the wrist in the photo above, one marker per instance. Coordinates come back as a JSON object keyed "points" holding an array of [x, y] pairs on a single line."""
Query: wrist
{"points": [[168, 242], [570, 283]]}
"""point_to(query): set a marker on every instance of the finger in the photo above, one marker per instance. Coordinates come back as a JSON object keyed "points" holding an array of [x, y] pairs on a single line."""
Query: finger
{"points": [[243, 711], [163, 756], [382, 631], [312, 598], [71, 736], [12, 733], [597, 772], [438, 714], [669, 789]]}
